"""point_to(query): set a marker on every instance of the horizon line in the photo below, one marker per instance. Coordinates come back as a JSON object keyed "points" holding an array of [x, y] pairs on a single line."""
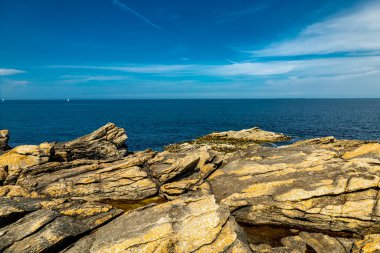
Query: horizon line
{"points": [[88, 99]]}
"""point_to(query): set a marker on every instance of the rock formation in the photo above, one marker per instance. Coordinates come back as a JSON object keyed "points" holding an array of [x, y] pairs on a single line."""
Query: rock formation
{"points": [[22, 157], [4, 137], [108, 142], [253, 134], [223, 192], [189, 224]]}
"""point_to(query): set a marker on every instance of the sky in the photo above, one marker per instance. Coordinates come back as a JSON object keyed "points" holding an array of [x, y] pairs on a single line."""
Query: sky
{"points": [[116, 49]]}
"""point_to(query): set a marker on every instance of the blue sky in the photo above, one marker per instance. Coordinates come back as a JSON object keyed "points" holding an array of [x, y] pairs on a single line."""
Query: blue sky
{"points": [[189, 49]]}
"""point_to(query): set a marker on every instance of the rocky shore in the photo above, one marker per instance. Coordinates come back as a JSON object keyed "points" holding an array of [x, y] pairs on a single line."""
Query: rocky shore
{"points": [[224, 192]]}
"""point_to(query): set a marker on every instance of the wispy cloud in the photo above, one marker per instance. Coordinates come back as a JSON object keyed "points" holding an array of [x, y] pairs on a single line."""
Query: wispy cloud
{"points": [[329, 67], [354, 31], [8, 72], [85, 79], [138, 15], [250, 69], [143, 69]]}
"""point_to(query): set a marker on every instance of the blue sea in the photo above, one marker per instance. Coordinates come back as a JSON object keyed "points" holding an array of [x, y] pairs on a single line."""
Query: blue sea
{"points": [[156, 123]]}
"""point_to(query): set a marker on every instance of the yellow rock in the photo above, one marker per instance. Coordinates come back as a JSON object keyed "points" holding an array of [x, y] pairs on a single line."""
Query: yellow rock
{"points": [[14, 191], [370, 244], [23, 157], [188, 224], [373, 148]]}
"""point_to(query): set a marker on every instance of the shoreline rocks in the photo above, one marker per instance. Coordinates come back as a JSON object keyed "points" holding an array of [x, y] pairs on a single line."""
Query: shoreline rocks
{"points": [[223, 192], [4, 138]]}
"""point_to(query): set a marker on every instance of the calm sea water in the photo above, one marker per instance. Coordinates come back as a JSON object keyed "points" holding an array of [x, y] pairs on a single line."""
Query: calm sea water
{"points": [[156, 123]]}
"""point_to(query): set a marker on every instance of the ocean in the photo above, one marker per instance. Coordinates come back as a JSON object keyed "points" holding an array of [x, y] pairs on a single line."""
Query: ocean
{"points": [[156, 123]]}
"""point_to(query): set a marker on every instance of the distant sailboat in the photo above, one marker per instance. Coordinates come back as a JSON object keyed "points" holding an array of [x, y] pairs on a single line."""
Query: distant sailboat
{"points": [[67, 100]]}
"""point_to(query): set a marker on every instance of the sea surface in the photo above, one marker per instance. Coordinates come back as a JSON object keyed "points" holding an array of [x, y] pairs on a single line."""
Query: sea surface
{"points": [[156, 123]]}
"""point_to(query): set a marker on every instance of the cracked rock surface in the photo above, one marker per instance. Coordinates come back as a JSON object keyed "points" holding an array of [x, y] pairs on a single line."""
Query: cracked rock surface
{"points": [[223, 192]]}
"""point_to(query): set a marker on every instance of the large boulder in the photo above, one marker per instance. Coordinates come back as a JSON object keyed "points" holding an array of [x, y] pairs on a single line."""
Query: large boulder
{"points": [[326, 186], [188, 224], [107, 142], [4, 137], [14, 161]]}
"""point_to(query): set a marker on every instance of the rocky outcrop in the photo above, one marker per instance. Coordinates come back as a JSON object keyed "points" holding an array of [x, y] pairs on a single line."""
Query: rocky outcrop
{"points": [[231, 141], [325, 187], [190, 224], [253, 134], [91, 179], [4, 137], [107, 142], [22, 157], [40, 225], [224, 192]]}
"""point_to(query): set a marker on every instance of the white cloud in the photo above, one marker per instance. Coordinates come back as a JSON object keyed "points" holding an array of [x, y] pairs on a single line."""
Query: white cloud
{"points": [[235, 69], [328, 67], [8, 72], [85, 79], [357, 30]]}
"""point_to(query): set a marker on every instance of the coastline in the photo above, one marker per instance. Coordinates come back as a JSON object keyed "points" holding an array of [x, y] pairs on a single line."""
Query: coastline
{"points": [[223, 192]]}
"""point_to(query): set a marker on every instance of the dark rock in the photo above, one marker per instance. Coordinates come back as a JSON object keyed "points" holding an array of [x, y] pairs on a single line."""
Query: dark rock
{"points": [[107, 142]]}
